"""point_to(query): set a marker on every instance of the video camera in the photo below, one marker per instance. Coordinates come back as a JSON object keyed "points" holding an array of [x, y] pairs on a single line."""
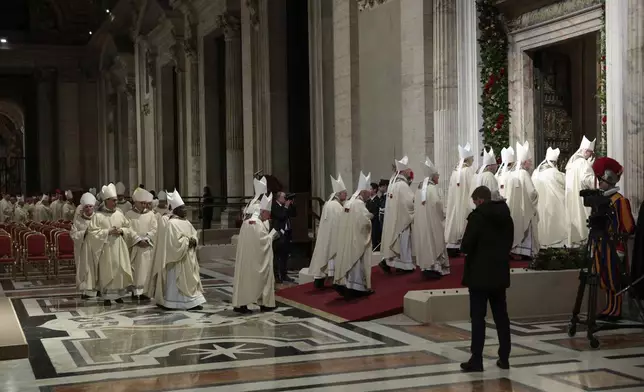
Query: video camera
{"points": [[290, 196], [600, 211]]}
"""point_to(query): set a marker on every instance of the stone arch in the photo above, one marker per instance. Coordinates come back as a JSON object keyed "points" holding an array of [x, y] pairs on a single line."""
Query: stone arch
{"points": [[14, 112], [12, 147]]}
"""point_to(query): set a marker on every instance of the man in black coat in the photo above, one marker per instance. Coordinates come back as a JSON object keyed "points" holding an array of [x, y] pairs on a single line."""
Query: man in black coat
{"points": [[281, 213], [487, 243], [373, 206], [637, 263]]}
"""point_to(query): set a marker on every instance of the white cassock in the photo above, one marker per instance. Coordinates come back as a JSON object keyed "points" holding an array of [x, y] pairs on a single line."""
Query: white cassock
{"points": [[322, 261], [111, 252], [144, 228], [42, 213], [175, 281], [56, 209], [428, 229], [489, 180], [353, 259], [124, 206], [579, 176], [254, 281], [550, 185], [459, 205], [522, 199], [4, 205], [86, 267], [69, 211], [20, 214], [396, 232]]}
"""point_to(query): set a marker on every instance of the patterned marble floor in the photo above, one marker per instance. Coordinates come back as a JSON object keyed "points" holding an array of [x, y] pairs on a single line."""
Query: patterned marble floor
{"points": [[82, 346]]}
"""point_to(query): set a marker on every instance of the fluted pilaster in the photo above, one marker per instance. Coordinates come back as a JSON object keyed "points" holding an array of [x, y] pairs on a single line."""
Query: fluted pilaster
{"points": [[445, 89], [469, 119], [132, 143], [634, 99]]}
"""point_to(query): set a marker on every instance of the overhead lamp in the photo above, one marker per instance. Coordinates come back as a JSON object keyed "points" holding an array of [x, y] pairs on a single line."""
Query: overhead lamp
{"points": [[107, 11], [3, 41], [90, 32]]}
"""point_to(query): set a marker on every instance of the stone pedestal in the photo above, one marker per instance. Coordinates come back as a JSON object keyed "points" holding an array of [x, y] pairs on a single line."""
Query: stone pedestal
{"points": [[445, 90]]}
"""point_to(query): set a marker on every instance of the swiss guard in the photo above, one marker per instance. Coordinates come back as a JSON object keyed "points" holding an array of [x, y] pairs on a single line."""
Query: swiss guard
{"points": [[607, 258]]}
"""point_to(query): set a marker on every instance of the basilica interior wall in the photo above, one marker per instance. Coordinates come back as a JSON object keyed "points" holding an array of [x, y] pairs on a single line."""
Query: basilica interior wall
{"points": [[380, 89]]}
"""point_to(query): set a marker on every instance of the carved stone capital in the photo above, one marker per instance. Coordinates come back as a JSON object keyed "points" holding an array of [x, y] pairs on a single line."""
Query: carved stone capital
{"points": [[550, 12], [253, 10], [230, 24], [365, 5]]}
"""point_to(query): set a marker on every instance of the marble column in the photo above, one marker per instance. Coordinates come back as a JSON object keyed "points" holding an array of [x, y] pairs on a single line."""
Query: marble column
{"points": [[248, 29], [46, 128], [445, 90], [68, 129], [316, 104], [234, 131], [634, 86], [194, 136], [469, 114], [616, 20], [132, 143], [263, 153], [346, 89]]}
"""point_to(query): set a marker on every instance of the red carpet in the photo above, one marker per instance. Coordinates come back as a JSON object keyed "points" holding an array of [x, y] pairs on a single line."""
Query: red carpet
{"points": [[389, 293]]}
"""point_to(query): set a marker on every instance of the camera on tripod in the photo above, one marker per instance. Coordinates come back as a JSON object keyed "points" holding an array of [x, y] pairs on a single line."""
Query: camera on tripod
{"points": [[600, 210]]}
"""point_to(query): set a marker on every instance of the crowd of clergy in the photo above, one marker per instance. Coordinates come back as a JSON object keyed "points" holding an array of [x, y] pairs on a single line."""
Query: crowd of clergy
{"points": [[418, 230], [145, 248]]}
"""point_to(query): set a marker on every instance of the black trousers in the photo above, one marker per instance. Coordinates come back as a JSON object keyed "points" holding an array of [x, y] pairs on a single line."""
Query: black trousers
{"points": [[478, 311], [281, 250]]}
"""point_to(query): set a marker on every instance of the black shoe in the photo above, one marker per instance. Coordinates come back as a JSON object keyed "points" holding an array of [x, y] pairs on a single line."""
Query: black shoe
{"points": [[198, 307], [243, 310], [163, 307], [107, 302], [503, 364], [404, 271], [119, 301], [278, 280], [288, 279], [383, 265], [319, 283], [83, 296], [431, 275], [143, 298], [470, 367], [263, 308]]}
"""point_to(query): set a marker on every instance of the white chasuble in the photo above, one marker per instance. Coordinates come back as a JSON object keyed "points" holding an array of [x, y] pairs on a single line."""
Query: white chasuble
{"points": [[20, 215], [85, 262], [322, 261], [551, 187], [428, 228], [459, 205], [111, 252], [144, 228], [522, 199], [353, 259], [488, 180], [254, 281], [175, 281], [579, 176], [69, 211], [42, 213], [399, 213]]}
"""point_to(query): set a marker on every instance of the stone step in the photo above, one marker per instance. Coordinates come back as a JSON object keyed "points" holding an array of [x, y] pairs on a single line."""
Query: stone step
{"points": [[305, 277], [13, 344]]}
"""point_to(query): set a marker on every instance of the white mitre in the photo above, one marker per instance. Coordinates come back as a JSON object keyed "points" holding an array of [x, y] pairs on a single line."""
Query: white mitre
{"points": [[338, 185], [510, 155], [45, 198], [141, 195], [587, 144], [266, 203], [259, 186], [402, 164], [120, 188], [552, 155], [522, 153], [88, 199], [69, 194], [92, 191], [20, 199], [108, 192], [364, 182], [488, 159], [162, 195], [431, 169], [174, 199], [465, 152]]}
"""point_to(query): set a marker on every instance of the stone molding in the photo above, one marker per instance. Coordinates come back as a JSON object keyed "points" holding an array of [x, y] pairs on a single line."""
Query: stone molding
{"points": [[366, 5], [550, 12], [230, 25]]}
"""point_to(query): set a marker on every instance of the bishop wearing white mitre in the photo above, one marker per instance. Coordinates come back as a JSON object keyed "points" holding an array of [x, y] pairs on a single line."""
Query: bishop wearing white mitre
{"points": [[485, 175], [161, 204], [20, 214], [108, 234], [254, 281], [459, 198], [508, 161], [123, 204], [429, 226], [42, 211], [175, 282], [252, 208], [86, 267], [395, 244], [143, 223], [322, 261], [352, 275], [579, 176], [522, 199], [56, 206], [550, 184]]}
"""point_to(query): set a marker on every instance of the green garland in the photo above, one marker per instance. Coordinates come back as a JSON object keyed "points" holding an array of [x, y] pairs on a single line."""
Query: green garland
{"points": [[493, 46], [600, 149]]}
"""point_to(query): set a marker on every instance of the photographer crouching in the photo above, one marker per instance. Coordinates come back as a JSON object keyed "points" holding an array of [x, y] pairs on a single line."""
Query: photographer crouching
{"points": [[608, 251], [281, 213]]}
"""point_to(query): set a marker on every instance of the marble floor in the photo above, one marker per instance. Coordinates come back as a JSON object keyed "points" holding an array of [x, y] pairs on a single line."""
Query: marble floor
{"points": [[82, 346]]}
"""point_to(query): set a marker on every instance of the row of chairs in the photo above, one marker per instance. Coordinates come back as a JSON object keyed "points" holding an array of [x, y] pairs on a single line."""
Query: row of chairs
{"points": [[27, 247]]}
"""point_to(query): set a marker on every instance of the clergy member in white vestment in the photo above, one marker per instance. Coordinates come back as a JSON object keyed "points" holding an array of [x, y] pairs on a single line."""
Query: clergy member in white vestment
{"points": [[395, 245], [30, 205], [86, 267], [522, 199], [550, 184], [143, 223], [428, 227], [508, 161], [322, 261], [68, 210], [5, 208], [175, 282], [459, 201], [108, 234], [254, 281], [352, 275], [122, 204], [56, 205], [485, 175], [579, 176], [161, 207], [20, 214], [42, 211], [252, 208]]}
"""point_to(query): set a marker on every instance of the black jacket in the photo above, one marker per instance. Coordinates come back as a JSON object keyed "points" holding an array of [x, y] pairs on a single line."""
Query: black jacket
{"points": [[637, 262], [281, 216], [487, 243]]}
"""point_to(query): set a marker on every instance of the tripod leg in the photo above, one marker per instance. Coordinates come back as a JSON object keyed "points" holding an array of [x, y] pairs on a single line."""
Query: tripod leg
{"points": [[593, 279], [572, 326]]}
